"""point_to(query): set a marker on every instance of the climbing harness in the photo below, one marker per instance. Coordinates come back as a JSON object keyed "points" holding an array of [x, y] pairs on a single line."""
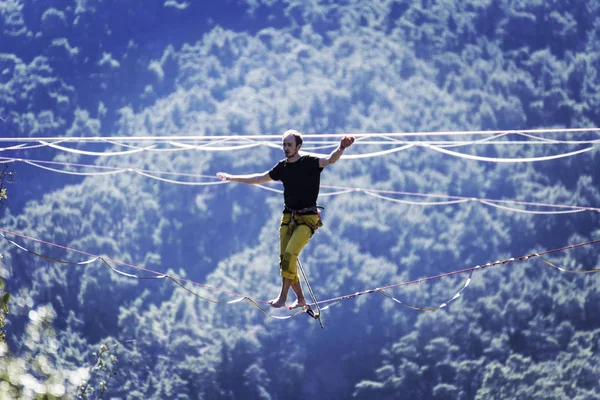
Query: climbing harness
{"points": [[295, 220]]}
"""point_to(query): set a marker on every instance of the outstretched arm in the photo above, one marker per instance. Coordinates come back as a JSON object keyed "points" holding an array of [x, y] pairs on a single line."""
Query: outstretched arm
{"points": [[337, 153], [253, 179]]}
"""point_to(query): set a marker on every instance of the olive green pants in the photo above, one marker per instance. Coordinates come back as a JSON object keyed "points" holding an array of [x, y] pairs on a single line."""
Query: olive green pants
{"points": [[293, 236]]}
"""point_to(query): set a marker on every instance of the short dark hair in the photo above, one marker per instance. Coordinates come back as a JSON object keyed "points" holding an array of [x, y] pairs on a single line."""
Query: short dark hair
{"points": [[297, 135]]}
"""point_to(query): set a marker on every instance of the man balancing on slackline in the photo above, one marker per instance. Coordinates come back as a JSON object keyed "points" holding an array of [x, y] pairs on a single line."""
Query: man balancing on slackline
{"points": [[301, 178]]}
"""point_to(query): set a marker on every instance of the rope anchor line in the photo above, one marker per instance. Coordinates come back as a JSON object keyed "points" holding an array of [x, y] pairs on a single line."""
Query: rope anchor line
{"points": [[308, 310], [248, 141], [503, 204]]}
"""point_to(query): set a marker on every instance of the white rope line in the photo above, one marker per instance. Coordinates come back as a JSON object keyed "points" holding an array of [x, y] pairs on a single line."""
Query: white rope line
{"points": [[72, 172], [518, 210], [447, 145], [111, 169], [270, 189], [384, 140], [180, 147], [312, 146], [366, 155], [23, 146], [338, 190], [452, 143], [556, 141], [441, 143], [507, 160], [458, 143], [213, 148], [445, 196], [245, 145], [183, 146], [95, 153], [207, 144], [319, 135], [321, 155], [273, 145], [17, 147], [129, 146], [174, 181], [418, 203], [149, 148]]}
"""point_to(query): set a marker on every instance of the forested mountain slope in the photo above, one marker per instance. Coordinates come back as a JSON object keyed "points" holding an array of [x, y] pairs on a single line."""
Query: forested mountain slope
{"points": [[154, 68]]}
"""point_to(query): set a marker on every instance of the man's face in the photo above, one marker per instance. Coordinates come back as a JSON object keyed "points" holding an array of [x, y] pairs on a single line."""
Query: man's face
{"points": [[289, 146]]}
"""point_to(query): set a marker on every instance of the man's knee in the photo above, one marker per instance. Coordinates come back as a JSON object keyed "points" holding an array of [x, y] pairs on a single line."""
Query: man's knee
{"points": [[288, 261]]}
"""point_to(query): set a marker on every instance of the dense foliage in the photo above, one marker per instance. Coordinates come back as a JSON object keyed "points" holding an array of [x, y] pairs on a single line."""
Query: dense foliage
{"points": [[126, 68]]}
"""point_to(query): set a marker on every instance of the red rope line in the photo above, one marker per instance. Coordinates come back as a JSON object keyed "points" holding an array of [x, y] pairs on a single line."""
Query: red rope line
{"points": [[348, 296], [128, 265], [522, 258]]}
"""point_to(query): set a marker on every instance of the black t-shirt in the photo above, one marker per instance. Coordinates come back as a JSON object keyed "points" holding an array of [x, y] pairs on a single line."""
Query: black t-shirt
{"points": [[301, 180]]}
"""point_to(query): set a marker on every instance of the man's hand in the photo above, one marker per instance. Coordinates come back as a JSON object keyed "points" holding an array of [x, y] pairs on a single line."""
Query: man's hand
{"points": [[224, 177], [346, 141]]}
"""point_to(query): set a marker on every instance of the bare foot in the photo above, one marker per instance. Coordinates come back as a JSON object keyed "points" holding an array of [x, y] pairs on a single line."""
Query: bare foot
{"points": [[298, 303], [276, 303]]}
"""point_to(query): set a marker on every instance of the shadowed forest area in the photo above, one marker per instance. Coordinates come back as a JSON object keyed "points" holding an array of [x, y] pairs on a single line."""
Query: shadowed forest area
{"points": [[156, 68]]}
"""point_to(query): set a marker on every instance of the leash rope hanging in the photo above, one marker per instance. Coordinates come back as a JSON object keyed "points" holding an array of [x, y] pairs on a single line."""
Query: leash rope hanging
{"points": [[309, 311]]}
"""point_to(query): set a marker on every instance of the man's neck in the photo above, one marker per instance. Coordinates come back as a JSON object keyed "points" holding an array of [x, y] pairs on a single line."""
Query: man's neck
{"points": [[293, 158]]}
